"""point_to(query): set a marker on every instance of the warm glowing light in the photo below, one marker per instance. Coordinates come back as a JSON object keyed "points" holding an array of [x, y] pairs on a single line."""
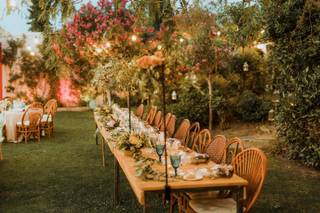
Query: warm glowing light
{"points": [[32, 53], [98, 50], [218, 33], [159, 47], [107, 45], [28, 48], [181, 40], [134, 38], [66, 94], [262, 31]]}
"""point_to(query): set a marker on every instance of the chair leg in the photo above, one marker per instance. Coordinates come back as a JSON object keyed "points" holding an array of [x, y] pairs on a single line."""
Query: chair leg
{"points": [[173, 203], [25, 135]]}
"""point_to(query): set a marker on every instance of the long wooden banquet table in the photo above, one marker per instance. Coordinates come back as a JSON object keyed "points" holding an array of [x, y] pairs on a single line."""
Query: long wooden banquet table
{"points": [[143, 189]]}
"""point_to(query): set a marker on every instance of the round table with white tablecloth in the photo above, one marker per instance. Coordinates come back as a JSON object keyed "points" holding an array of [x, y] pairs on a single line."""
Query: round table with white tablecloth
{"points": [[11, 119]]}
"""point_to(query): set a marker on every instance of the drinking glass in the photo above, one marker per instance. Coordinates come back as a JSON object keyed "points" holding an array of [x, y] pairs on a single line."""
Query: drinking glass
{"points": [[160, 150], [175, 162]]}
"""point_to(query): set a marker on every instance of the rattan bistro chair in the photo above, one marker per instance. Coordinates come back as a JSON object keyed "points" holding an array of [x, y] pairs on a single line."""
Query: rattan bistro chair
{"points": [[151, 115], [139, 111], [31, 126], [167, 119], [182, 131], [192, 134], [171, 126], [250, 164], [157, 120], [36, 105], [234, 147], [47, 124], [202, 141], [216, 149]]}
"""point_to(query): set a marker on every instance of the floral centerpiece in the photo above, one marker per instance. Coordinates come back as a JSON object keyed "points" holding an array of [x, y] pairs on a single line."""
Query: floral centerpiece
{"points": [[5, 105]]}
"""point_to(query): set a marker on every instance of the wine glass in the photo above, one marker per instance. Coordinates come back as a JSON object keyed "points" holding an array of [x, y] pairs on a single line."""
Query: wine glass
{"points": [[175, 163], [160, 150]]}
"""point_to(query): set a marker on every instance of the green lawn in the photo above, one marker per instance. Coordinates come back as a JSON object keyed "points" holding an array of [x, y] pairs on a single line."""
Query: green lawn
{"points": [[64, 174]]}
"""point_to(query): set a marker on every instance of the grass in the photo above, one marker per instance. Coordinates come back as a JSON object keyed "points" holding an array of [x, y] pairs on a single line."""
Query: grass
{"points": [[64, 174]]}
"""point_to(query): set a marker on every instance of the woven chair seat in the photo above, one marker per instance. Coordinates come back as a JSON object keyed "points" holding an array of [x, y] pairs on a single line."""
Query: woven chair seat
{"points": [[214, 205], [26, 123], [46, 117], [203, 195]]}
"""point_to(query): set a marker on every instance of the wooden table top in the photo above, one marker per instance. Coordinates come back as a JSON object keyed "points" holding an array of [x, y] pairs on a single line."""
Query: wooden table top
{"points": [[141, 186]]}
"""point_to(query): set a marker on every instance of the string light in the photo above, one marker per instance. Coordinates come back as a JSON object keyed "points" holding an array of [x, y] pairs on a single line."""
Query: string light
{"points": [[134, 38], [181, 40], [107, 44], [159, 47], [218, 33]]}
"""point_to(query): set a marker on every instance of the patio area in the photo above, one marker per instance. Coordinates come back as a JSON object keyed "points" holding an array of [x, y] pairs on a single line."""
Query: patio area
{"points": [[64, 174]]}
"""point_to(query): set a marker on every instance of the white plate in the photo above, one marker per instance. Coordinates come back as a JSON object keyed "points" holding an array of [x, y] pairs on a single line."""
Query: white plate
{"points": [[195, 178]]}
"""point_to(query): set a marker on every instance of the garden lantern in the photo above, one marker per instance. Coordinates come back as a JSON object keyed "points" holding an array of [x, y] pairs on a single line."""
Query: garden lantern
{"points": [[291, 99], [174, 95], [271, 115], [245, 67], [276, 97]]}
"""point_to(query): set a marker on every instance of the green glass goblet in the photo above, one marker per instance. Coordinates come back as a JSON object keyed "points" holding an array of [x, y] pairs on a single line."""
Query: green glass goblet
{"points": [[160, 150], [175, 163]]}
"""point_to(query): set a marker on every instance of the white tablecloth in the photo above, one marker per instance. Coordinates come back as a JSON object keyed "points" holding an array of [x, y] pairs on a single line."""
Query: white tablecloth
{"points": [[11, 119]]}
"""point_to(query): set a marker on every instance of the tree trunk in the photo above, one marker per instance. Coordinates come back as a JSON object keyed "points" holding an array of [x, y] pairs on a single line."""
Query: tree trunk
{"points": [[210, 101]]}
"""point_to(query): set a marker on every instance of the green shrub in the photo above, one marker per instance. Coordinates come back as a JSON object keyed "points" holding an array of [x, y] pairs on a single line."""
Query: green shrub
{"points": [[294, 28], [256, 77], [250, 108], [191, 104]]}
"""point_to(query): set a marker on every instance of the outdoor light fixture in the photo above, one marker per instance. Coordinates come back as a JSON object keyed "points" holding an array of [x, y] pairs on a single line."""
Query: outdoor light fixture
{"points": [[271, 115], [181, 40], [291, 99], [174, 95], [276, 97], [245, 67], [134, 38]]}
